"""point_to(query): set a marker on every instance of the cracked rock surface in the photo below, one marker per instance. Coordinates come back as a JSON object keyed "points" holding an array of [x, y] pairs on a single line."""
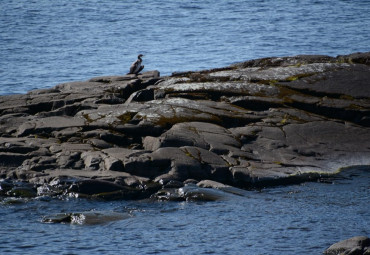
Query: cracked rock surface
{"points": [[263, 122]]}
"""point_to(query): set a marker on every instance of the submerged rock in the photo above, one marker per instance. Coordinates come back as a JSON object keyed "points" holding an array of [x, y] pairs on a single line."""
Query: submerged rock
{"points": [[192, 192], [108, 190], [17, 189], [86, 218], [5, 186], [22, 192]]}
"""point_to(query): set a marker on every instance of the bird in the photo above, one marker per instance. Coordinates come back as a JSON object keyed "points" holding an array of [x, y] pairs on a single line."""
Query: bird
{"points": [[136, 67]]}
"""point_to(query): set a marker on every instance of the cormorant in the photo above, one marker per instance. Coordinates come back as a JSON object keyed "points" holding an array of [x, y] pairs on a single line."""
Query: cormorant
{"points": [[136, 67]]}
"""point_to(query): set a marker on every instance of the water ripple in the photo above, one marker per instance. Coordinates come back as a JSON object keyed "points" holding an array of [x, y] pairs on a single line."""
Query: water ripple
{"points": [[43, 43]]}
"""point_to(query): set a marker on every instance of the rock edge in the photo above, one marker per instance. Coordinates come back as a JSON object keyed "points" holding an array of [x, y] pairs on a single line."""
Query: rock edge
{"points": [[263, 122]]}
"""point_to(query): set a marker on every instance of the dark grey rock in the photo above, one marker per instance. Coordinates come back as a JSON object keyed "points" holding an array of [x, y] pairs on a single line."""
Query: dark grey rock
{"points": [[9, 159], [5, 186], [271, 121], [44, 126], [191, 192], [353, 246], [113, 164], [358, 57], [68, 159], [350, 81], [86, 218], [100, 144], [90, 187], [25, 192], [39, 163], [93, 160]]}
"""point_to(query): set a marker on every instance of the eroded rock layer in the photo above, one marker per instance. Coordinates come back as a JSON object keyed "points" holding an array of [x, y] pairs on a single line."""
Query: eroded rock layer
{"points": [[269, 121]]}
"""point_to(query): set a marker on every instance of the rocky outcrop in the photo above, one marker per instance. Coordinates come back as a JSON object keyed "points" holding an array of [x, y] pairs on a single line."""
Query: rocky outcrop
{"points": [[358, 245], [263, 122]]}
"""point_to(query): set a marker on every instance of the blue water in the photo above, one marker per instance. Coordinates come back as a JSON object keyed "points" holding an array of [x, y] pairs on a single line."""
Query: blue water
{"points": [[297, 219], [43, 43]]}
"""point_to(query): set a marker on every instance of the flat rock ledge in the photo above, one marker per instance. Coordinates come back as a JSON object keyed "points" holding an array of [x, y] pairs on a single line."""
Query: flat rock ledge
{"points": [[264, 122]]}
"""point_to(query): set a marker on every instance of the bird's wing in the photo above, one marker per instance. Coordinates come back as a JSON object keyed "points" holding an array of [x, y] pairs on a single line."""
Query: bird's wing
{"points": [[141, 68], [134, 66]]}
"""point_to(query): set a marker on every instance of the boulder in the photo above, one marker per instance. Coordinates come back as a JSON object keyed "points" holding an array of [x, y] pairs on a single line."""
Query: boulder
{"points": [[93, 160]]}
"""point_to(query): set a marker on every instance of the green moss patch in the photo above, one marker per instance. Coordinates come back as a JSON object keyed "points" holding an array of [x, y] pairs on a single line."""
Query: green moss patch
{"points": [[126, 117], [87, 118], [299, 76]]}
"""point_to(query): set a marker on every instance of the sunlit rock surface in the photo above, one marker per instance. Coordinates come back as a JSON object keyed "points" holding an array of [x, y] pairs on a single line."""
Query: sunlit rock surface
{"points": [[358, 245], [271, 121]]}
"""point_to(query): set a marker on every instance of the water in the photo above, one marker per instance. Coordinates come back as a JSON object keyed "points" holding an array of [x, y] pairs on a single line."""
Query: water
{"points": [[43, 43], [297, 219]]}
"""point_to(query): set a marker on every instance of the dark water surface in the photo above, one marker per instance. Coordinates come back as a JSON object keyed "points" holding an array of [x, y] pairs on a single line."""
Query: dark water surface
{"points": [[298, 219], [43, 43]]}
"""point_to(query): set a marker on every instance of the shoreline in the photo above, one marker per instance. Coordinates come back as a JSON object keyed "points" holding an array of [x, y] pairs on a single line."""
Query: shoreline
{"points": [[255, 124]]}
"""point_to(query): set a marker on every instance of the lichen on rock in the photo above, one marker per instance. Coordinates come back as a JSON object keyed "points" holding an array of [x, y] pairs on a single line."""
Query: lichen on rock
{"points": [[271, 121]]}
